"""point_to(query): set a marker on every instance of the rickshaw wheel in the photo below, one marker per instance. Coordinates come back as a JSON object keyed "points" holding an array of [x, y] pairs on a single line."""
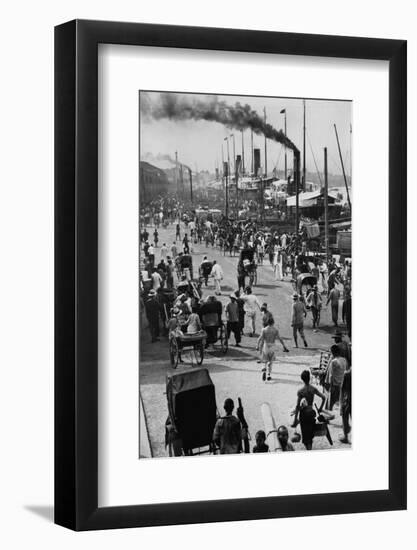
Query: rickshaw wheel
{"points": [[200, 353], [223, 339], [173, 353]]}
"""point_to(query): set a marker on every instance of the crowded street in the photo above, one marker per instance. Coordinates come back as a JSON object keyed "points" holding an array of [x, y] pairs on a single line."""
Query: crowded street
{"points": [[237, 373]]}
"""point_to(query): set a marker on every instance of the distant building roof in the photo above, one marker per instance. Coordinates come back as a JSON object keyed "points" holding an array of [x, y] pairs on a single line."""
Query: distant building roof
{"points": [[310, 199], [151, 168]]}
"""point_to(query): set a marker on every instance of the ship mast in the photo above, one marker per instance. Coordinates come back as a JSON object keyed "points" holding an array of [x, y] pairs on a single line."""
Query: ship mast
{"points": [[343, 168], [303, 186], [266, 161], [243, 155]]}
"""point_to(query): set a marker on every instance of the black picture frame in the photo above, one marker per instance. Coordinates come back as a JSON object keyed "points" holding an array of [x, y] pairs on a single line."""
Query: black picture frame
{"points": [[76, 272]]}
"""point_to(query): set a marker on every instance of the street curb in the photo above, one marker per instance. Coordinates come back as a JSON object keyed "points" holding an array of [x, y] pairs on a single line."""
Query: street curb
{"points": [[145, 450]]}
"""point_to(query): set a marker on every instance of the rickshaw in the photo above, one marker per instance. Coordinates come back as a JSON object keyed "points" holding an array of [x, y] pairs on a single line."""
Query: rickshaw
{"points": [[204, 271], [184, 266], [192, 413], [304, 282], [181, 342], [248, 264], [215, 330]]}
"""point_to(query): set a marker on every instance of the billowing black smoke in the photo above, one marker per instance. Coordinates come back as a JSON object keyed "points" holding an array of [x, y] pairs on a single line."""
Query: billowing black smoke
{"points": [[237, 117]]}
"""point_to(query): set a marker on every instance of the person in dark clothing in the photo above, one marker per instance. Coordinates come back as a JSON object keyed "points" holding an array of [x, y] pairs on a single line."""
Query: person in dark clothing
{"points": [[186, 244], [152, 313], [227, 433], [205, 269], [232, 315], [241, 274], [346, 405], [307, 423], [241, 307], [333, 278], [261, 446], [344, 348], [314, 301], [170, 274], [211, 314], [347, 314]]}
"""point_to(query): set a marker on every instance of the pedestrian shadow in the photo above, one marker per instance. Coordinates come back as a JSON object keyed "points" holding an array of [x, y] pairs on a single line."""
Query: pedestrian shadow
{"points": [[267, 287], [282, 381], [232, 353], [331, 329]]}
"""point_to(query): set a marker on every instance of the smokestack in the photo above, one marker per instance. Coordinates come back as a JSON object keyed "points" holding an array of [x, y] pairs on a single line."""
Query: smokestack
{"points": [[296, 185], [256, 161], [238, 163]]}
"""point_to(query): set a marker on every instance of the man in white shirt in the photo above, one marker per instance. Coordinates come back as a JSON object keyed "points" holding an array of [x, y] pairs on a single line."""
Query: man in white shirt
{"points": [[156, 279], [164, 252], [251, 303], [217, 274]]}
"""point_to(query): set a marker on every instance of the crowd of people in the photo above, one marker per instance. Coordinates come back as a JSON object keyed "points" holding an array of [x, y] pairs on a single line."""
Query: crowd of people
{"points": [[172, 300]]}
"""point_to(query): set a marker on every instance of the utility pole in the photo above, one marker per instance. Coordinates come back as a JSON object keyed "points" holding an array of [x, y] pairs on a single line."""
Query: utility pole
{"points": [[243, 155], [176, 171], [266, 160], [326, 209], [234, 152], [191, 185], [234, 160], [251, 148], [182, 181], [343, 169], [284, 112], [226, 139], [227, 192], [304, 146], [297, 187], [262, 200], [237, 188]]}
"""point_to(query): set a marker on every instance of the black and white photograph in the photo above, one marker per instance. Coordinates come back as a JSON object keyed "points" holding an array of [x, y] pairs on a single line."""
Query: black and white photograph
{"points": [[245, 274]]}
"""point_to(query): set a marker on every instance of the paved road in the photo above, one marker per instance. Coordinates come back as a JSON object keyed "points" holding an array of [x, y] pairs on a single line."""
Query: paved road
{"points": [[237, 374]]}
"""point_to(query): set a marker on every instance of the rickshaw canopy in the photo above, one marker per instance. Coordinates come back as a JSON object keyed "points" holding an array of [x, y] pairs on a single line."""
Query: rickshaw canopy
{"points": [[192, 406]]}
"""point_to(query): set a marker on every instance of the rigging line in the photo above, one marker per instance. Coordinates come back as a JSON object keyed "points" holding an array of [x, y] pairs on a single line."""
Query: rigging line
{"points": [[315, 163], [335, 162], [345, 160], [279, 156]]}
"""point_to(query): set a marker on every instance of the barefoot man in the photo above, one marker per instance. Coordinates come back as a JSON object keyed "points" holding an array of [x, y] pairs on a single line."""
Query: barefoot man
{"points": [[266, 343]]}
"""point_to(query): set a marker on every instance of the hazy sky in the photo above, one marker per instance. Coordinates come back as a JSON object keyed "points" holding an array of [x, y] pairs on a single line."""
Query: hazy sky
{"points": [[199, 143]]}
